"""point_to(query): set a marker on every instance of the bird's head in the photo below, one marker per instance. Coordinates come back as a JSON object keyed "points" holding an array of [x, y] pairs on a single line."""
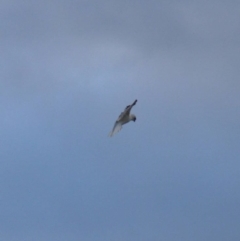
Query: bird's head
{"points": [[133, 117]]}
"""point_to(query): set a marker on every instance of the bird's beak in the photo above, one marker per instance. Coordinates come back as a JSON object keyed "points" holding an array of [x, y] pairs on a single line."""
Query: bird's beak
{"points": [[134, 119]]}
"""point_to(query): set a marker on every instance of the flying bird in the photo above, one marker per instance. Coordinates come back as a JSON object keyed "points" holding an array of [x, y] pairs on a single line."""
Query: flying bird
{"points": [[124, 118]]}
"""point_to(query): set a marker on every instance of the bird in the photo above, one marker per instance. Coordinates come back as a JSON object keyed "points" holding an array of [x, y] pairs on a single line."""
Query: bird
{"points": [[123, 118]]}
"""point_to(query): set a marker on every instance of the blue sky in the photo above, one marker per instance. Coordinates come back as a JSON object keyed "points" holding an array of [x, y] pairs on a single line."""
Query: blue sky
{"points": [[67, 70]]}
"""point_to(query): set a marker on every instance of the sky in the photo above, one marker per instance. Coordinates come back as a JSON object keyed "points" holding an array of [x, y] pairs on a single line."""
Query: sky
{"points": [[68, 68]]}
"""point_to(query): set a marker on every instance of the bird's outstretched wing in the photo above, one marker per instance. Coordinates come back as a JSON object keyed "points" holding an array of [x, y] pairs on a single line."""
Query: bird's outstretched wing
{"points": [[116, 128], [126, 111]]}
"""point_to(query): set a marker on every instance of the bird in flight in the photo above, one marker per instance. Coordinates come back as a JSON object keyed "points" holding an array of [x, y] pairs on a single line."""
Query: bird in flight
{"points": [[124, 118]]}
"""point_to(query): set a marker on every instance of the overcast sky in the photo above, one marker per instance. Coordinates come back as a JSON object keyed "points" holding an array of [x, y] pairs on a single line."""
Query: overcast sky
{"points": [[67, 70]]}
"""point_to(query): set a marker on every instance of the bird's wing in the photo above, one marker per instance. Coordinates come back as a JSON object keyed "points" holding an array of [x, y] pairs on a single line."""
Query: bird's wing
{"points": [[126, 111], [116, 128]]}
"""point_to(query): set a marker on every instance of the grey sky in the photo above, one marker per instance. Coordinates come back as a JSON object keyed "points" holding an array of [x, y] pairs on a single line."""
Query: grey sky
{"points": [[67, 70]]}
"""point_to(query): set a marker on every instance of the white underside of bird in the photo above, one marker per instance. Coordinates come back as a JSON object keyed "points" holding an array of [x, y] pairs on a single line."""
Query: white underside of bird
{"points": [[124, 118]]}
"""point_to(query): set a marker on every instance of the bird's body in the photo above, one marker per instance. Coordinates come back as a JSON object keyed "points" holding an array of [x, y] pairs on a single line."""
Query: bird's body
{"points": [[124, 118]]}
